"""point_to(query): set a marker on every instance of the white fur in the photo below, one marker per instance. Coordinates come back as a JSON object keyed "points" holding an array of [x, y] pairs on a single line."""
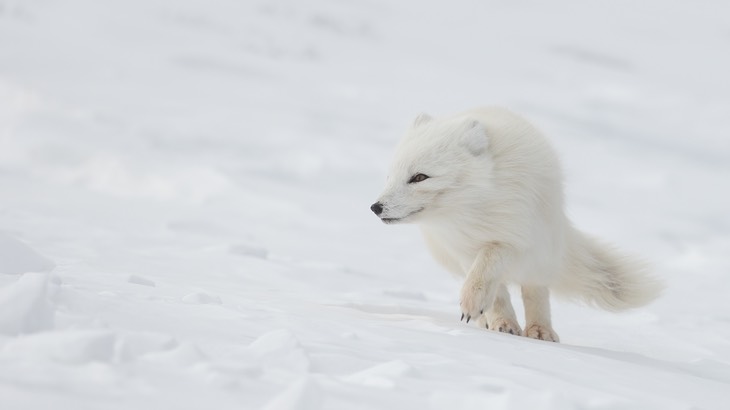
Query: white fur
{"points": [[491, 211]]}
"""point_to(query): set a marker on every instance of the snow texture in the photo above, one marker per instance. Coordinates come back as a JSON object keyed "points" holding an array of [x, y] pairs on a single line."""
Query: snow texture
{"points": [[16, 257], [185, 186]]}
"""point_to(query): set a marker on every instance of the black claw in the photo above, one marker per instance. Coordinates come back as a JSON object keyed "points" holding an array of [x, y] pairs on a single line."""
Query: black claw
{"points": [[487, 325], [481, 312], [468, 318], [511, 332], [462, 317], [501, 329]]}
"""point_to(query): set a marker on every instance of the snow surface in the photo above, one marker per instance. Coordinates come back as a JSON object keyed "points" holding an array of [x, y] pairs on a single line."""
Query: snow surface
{"points": [[185, 187]]}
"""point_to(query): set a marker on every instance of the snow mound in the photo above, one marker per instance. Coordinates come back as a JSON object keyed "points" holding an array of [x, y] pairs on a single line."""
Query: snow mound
{"points": [[25, 306], [75, 347], [280, 350], [16, 257], [184, 354], [134, 345], [382, 375], [72, 347], [304, 394]]}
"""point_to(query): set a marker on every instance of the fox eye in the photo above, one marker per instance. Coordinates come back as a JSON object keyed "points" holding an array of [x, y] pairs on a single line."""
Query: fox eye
{"points": [[418, 178]]}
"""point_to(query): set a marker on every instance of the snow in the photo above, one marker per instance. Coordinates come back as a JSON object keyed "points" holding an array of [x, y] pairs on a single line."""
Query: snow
{"points": [[16, 257], [138, 280], [185, 188], [25, 305]]}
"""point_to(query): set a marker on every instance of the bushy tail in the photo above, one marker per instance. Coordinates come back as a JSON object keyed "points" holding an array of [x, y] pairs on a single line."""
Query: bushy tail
{"points": [[599, 275]]}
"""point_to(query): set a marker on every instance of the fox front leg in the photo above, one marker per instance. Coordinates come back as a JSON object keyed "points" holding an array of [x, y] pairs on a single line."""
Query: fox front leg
{"points": [[481, 285], [477, 295]]}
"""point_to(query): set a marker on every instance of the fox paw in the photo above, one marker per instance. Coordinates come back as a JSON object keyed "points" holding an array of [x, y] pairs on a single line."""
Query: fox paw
{"points": [[474, 299], [505, 325], [541, 332]]}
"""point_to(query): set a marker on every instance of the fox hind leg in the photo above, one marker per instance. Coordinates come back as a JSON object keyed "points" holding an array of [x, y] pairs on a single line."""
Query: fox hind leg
{"points": [[538, 324]]}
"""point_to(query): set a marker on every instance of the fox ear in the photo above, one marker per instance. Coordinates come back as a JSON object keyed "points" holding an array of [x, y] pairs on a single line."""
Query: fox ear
{"points": [[421, 119], [475, 138]]}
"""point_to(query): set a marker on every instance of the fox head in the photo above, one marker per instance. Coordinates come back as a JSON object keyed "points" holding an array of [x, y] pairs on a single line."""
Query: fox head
{"points": [[434, 163]]}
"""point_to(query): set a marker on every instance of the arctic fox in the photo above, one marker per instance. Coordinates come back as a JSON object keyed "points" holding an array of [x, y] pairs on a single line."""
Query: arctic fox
{"points": [[486, 189]]}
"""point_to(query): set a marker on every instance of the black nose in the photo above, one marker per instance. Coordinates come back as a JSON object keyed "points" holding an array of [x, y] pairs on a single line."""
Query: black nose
{"points": [[377, 208]]}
